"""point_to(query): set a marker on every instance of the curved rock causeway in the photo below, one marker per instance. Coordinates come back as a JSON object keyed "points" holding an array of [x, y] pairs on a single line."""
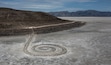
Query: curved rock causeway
{"points": [[43, 49]]}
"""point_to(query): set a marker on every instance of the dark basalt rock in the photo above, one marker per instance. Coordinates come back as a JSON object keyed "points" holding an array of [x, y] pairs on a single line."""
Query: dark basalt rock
{"points": [[13, 22]]}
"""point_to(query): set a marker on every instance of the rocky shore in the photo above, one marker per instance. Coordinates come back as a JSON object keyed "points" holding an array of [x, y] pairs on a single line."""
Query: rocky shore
{"points": [[19, 22]]}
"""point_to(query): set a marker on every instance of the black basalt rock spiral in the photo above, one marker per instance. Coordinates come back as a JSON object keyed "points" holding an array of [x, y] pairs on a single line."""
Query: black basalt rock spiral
{"points": [[43, 49]]}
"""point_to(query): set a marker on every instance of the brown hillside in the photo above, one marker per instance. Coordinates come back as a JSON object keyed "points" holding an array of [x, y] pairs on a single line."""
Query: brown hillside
{"points": [[15, 21], [10, 18]]}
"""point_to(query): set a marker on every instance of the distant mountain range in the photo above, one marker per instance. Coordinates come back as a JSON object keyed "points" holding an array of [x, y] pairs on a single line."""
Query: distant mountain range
{"points": [[86, 13]]}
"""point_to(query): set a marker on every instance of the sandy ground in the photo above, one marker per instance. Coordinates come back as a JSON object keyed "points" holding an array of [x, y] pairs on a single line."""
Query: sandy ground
{"points": [[86, 45]]}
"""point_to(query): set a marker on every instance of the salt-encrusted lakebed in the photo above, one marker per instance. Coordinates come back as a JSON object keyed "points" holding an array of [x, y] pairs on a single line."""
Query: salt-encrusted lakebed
{"points": [[86, 45]]}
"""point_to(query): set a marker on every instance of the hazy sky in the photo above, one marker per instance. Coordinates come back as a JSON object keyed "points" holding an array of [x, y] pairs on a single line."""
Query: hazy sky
{"points": [[57, 5]]}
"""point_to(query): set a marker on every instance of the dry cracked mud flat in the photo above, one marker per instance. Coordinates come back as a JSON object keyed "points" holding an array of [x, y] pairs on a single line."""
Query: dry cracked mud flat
{"points": [[86, 45]]}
